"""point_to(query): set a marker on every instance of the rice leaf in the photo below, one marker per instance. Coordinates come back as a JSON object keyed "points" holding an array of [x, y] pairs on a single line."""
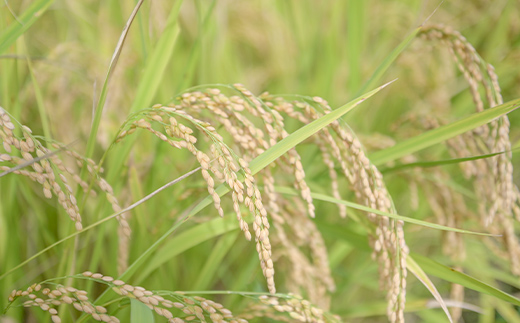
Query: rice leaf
{"points": [[186, 240], [426, 164], [91, 143], [23, 23], [442, 133], [157, 61], [454, 276], [326, 198], [139, 312], [214, 261], [387, 62], [415, 269]]}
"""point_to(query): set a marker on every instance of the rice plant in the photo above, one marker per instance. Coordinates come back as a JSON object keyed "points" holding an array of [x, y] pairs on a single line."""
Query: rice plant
{"points": [[122, 122]]}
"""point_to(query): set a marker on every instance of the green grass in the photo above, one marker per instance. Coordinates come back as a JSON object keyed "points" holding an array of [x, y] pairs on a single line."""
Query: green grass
{"points": [[70, 73]]}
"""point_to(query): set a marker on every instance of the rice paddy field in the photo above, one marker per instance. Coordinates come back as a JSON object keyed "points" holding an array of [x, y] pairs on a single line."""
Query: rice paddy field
{"points": [[259, 161]]}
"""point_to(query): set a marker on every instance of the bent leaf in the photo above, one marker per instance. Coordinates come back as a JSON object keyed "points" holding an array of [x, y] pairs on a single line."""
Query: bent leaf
{"points": [[140, 312], [412, 266], [387, 62], [186, 240], [426, 164], [23, 22], [326, 198], [454, 276], [441, 134]]}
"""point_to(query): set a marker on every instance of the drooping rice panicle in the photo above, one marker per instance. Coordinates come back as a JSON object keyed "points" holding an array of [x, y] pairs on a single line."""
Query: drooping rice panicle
{"points": [[226, 167], [291, 309], [388, 243], [498, 200], [174, 306]]}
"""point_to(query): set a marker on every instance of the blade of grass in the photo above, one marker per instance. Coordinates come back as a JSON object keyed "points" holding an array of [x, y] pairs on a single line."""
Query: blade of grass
{"points": [[441, 134], [426, 164], [383, 67], [412, 266], [40, 102], [150, 80], [184, 241], [157, 62], [102, 98], [214, 260], [387, 62], [141, 201], [22, 24], [449, 274], [326, 198], [306, 131], [139, 312]]}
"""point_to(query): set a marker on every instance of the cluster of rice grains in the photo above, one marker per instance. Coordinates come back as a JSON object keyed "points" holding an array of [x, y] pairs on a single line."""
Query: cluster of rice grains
{"points": [[223, 168], [49, 299], [255, 124], [388, 242], [179, 308], [498, 197], [47, 167], [292, 308]]}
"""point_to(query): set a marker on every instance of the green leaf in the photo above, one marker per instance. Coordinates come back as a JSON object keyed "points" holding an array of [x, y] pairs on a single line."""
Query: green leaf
{"points": [[23, 22], [426, 164], [213, 261], [413, 267], [44, 117], [441, 134], [157, 62], [381, 69], [306, 131], [91, 143], [326, 198], [190, 66], [387, 62], [454, 276], [140, 313], [150, 80], [186, 240]]}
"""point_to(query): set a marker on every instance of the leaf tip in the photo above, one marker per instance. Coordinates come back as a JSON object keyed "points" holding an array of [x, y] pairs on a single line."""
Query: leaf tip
{"points": [[434, 11], [386, 84]]}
